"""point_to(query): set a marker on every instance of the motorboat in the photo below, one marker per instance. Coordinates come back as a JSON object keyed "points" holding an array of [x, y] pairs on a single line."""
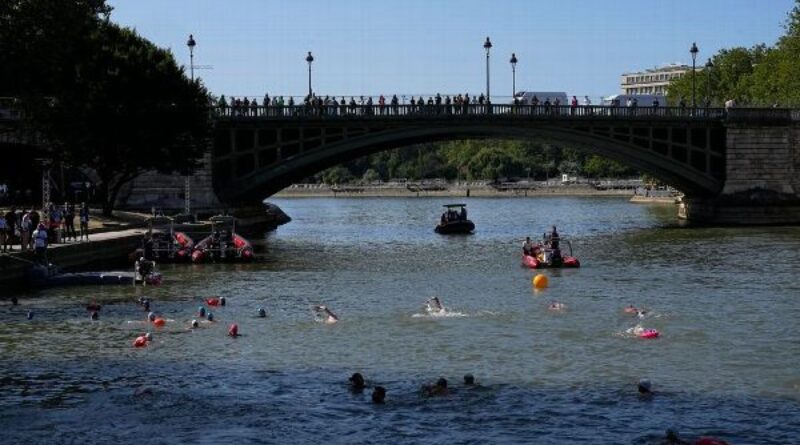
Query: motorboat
{"points": [[163, 243], [224, 244], [551, 252], [454, 220]]}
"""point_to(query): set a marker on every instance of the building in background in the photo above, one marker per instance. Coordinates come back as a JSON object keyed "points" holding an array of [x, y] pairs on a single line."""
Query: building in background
{"points": [[654, 81]]}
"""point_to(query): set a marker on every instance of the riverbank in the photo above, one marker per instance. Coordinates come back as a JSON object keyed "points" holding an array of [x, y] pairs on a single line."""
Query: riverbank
{"points": [[444, 189]]}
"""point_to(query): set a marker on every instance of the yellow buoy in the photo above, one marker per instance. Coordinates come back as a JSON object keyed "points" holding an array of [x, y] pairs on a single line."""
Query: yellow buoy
{"points": [[539, 281]]}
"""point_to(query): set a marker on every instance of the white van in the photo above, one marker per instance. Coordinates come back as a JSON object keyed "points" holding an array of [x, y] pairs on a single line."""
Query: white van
{"points": [[642, 100], [525, 97]]}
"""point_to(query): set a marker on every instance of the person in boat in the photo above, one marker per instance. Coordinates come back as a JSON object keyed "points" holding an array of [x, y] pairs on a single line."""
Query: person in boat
{"points": [[444, 219], [329, 316], [527, 246], [434, 305], [147, 245], [463, 215], [554, 239]]}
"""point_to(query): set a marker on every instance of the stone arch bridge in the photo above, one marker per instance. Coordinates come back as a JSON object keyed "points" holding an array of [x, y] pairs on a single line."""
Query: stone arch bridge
{"points": [[739, 166]]}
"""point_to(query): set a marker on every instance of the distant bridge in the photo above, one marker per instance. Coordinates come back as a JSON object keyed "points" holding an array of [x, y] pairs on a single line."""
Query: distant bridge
{"points": [[710, 154]]}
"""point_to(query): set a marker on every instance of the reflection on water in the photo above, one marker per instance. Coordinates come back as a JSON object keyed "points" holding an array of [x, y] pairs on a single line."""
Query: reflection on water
{"points": [[723, 299]]}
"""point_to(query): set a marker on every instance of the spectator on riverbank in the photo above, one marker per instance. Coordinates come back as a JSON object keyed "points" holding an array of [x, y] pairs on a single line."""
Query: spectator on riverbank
{"points": [[40, 244], [84, 218], [3, 231], [11, 227], [25, 231], [69, 221], [33, 215]]}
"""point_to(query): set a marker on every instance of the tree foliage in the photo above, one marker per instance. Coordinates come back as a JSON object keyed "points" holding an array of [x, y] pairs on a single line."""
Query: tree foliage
{"points": [[107, 99], [757, 76]]}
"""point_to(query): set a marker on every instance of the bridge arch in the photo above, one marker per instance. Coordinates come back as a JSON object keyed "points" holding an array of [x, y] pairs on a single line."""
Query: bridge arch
{"points": [[605, 141]]}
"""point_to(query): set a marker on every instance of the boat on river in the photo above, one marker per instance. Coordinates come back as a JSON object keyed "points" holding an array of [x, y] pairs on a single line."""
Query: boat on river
{"points": [[163, 243], [555, 253], [224, 244], [454, 220]]}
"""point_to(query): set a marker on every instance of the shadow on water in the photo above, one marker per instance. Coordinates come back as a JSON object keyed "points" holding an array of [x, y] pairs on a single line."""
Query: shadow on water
{"points": [[213, 403]]}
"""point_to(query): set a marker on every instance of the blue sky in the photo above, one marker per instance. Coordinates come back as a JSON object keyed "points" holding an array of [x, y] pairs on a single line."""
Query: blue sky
{"points": [[428, 46]]}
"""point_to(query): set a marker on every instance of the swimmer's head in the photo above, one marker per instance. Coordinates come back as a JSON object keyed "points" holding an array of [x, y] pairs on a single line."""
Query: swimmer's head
{"points": [[151, 316], [262, 312], [94, 315], [442, 382], [357, 381], [469, 379], [202, 311], [30, 315], [644, 386], [222, 301], [195, 323], [210, 316], [379, 395], [146, 305], [148, 336]]}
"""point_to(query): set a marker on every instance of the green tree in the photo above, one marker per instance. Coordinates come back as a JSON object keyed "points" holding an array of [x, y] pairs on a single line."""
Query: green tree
{"points": [[115, 104]]}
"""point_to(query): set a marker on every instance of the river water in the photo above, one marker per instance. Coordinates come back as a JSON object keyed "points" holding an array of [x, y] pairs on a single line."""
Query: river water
{"points": [[726, 301]]}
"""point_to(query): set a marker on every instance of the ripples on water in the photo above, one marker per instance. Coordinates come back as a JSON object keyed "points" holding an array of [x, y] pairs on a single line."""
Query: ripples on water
{"points": [[725, 301]]}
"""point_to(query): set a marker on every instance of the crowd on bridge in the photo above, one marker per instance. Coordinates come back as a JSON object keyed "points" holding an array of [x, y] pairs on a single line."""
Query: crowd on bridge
{"points": [[313, 105]]}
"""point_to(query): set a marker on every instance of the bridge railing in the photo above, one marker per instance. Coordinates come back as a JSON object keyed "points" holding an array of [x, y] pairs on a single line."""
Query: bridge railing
{"points": [[506, 111]]}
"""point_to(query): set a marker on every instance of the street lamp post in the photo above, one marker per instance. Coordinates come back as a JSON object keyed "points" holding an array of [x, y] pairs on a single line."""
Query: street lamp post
{"points": [[187, 184], [513, 75], [487, 45], [709, 66], [191, 44], [309, 59], [693, 50]]}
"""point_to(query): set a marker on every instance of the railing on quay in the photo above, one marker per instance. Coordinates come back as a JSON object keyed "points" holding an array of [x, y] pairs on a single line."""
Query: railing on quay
{"points": [[504, 111]]}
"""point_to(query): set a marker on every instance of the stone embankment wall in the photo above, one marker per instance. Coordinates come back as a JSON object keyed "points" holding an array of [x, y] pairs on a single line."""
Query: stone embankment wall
{"points": [[762, 185], [162, 191]]}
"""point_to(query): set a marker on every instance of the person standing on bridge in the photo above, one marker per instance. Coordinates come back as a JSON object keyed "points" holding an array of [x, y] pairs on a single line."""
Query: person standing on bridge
{"points": [[573, 106], [382, 104], [395, 104]]}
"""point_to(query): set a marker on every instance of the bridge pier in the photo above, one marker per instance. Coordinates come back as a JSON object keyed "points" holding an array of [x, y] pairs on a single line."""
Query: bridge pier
{"points": [[762, 180]]}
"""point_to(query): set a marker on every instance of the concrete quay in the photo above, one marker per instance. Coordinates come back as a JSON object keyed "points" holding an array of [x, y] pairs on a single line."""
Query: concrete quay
{"points": [[107, 247]]}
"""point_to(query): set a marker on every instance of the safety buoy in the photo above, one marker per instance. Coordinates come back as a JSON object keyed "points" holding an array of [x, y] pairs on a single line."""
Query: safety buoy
{"points": [[159, 322], [540, 281], [212, 301], [233, 331], [140, 342], [649, 333]]}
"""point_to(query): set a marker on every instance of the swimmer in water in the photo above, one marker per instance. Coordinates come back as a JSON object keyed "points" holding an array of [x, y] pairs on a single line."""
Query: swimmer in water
{"points": [[201, 311], [645, 388], [151, 317], [439, 389], [262, 313], [357, 383], [434, 306], [233, 331], [210, 317], [469, 380], [14, 301], [630, 309], [195, 324], [379, 395], [222, 301], [556, 306], [329, 317], [94, 315], [641, 313]]}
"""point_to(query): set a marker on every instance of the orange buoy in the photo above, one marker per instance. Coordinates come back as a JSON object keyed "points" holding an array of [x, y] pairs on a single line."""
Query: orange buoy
{"points": [[159, 322], [540, 281], [233, 331], [212, 301], [140, 342]]}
